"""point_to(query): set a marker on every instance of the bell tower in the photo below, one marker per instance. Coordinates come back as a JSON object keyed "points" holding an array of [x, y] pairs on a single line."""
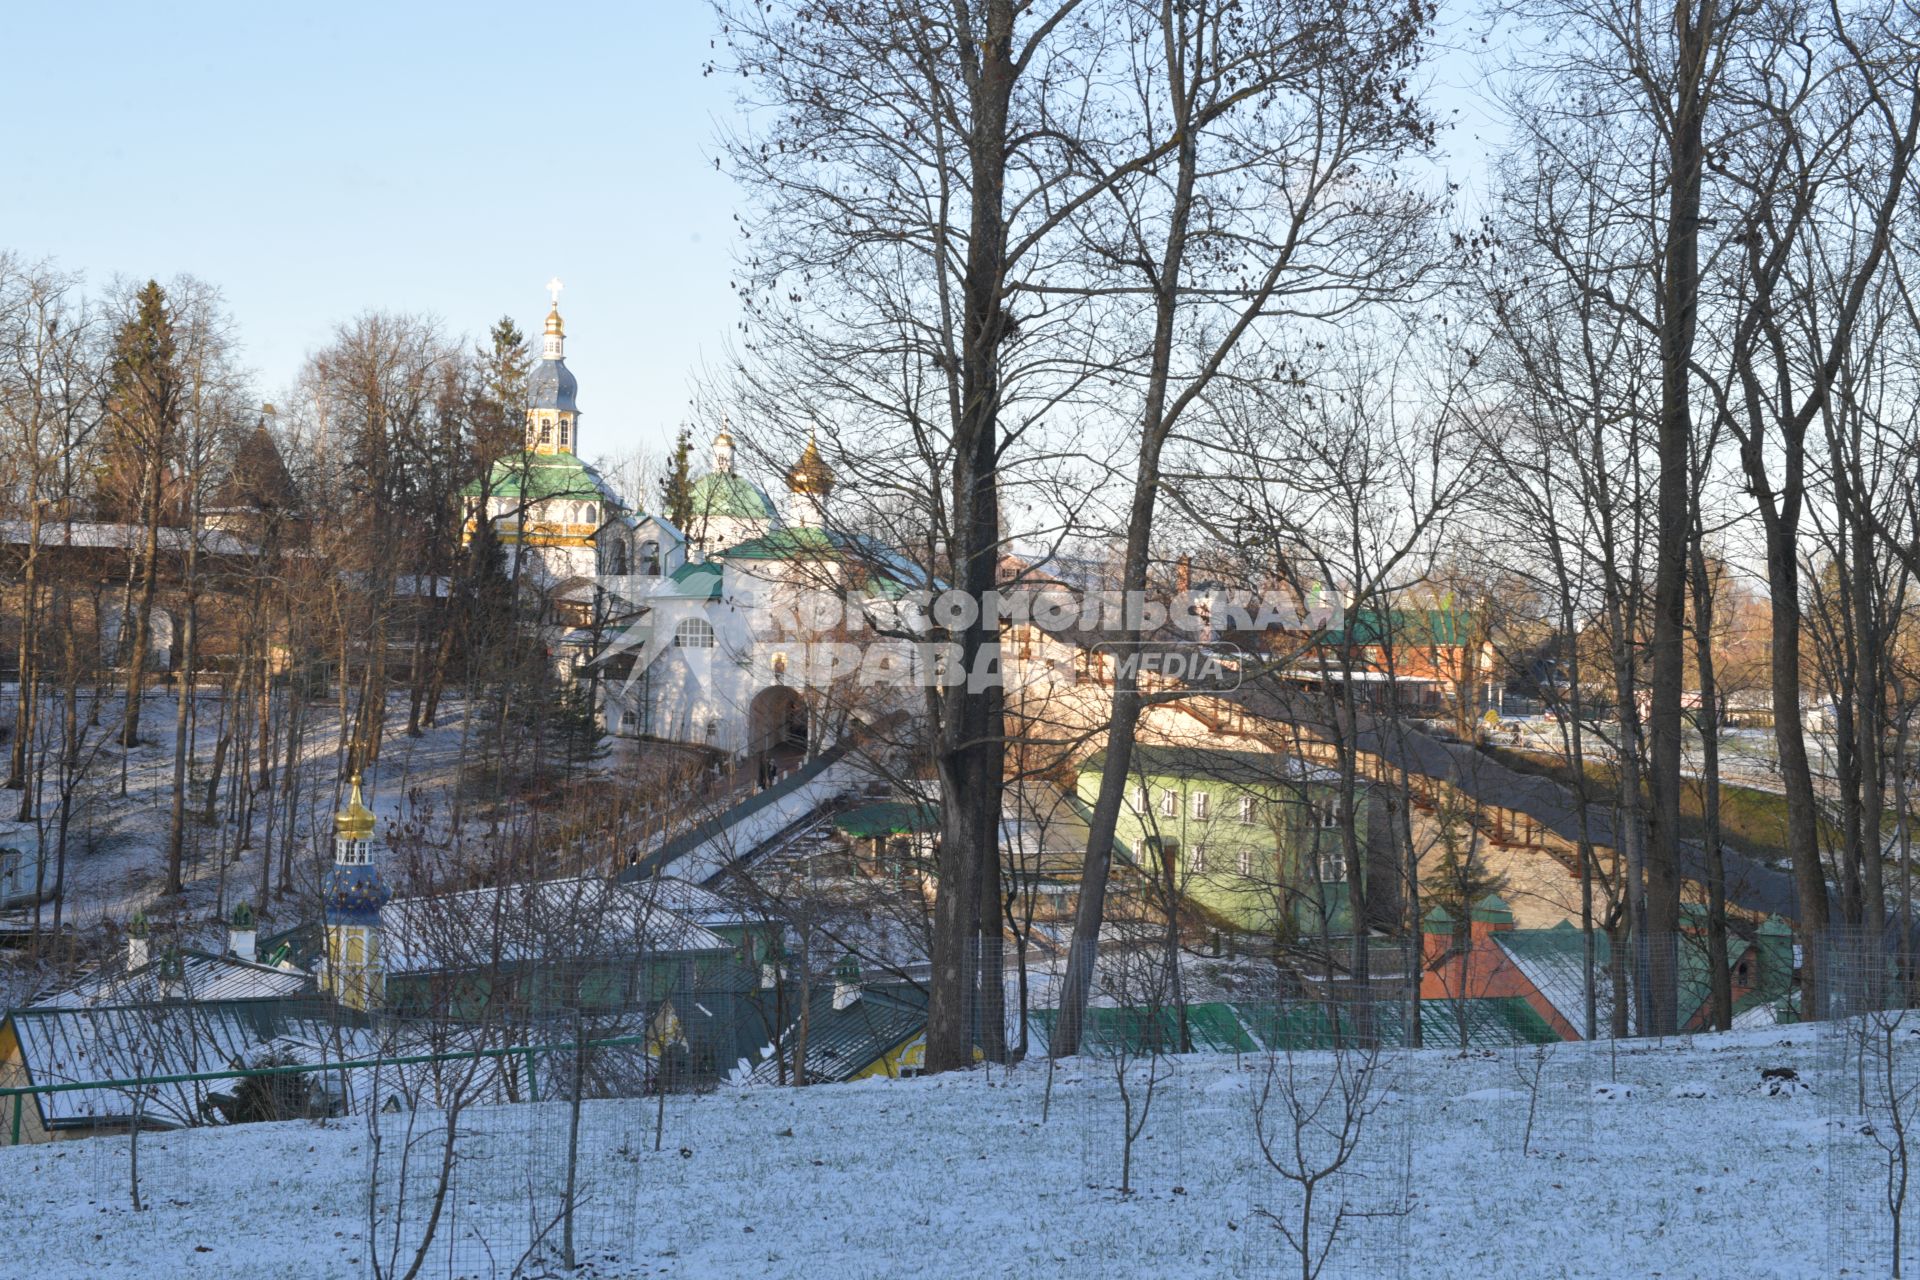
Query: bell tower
{"points": [[353, 893], [553, 416]]}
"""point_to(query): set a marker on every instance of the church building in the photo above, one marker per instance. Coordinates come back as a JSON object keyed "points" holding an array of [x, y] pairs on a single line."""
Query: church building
{"points": [[554, 514], [726, 671]]}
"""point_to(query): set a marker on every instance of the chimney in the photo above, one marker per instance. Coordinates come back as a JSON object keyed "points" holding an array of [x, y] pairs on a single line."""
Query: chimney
{"points": [[240, 937], [173, 976], [137, 941]]}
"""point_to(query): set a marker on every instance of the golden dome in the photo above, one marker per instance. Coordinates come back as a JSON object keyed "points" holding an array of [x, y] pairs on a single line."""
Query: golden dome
{"points": [[811, 474], [355, 822], [554, 326]]}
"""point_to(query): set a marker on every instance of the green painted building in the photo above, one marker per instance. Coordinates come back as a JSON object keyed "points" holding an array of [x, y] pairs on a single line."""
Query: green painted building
{"points": [[1255, 837]]}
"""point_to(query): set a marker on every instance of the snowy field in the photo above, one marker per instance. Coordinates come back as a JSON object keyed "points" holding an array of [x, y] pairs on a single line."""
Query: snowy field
{"points": [[1661, 1160]]}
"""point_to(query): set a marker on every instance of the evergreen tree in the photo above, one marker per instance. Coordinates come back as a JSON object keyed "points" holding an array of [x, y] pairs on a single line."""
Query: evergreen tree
{"points": [[502, 364], [143, 414], [676, 487]]}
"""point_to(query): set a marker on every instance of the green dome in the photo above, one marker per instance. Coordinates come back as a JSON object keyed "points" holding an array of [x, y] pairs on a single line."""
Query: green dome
{"points": [[536, 476], [722, 493]]}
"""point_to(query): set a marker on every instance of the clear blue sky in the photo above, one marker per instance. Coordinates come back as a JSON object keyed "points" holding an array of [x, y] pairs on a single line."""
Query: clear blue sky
{"points": [[317, 160]]}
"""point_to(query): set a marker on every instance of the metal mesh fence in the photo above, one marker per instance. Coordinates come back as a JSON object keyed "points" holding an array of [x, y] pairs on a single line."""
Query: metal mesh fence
{"points": [[1869, 1082], [532, 1125]]}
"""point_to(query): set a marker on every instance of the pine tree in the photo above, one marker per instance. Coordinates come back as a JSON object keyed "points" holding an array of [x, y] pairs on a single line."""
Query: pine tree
{"points": [[503, 364], [143, 408], [676, 487]]}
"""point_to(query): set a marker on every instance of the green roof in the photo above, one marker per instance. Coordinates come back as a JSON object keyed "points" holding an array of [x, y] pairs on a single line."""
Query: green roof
{"points": [[534, 476], [694, 582], [1215, 764], [1491, 909], [1554, 961], [785, 544], [1406, 626], [888, 818], [1282, 1025], [722, 493]]}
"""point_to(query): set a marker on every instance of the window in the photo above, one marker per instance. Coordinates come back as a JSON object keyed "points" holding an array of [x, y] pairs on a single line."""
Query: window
{"points": [[693, 633], [546, 431], [1326, 813], [592, 512], [563, 433], [1169, 804], [1197, 860], [1246, 862], [1201, 805], [1140, 800], [355, 853], [1249, 811], [1333, 866]]}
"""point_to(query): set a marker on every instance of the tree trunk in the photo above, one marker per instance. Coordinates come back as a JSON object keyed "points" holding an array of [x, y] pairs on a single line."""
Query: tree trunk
{"points": [[143, 615], [1696, 35], [972, 746], [1719, 975]]}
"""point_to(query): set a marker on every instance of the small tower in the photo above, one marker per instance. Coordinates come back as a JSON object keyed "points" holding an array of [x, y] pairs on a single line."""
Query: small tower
{"points": [[241, 932], [809, 484], [354, 893], [553, 415]]}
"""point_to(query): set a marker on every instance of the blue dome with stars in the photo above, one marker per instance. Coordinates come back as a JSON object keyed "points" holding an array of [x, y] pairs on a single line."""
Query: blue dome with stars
{"points": [[354, 894]]}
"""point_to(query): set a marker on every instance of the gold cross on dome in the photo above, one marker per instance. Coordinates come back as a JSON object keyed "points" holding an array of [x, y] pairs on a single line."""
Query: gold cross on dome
{"points": [[554, 287]]}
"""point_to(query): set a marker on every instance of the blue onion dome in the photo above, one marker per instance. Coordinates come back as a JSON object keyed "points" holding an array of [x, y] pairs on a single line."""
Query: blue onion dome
{"points": [[352, 891], [354, 894], [552, 385]]}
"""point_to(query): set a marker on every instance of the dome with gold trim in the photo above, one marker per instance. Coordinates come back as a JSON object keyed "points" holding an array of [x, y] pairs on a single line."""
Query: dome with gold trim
{"points": [[811, 474], [356, 821]]}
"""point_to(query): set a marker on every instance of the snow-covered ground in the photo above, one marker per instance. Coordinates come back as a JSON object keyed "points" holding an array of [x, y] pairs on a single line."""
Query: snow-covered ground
{"points": [[1658, 1160]]}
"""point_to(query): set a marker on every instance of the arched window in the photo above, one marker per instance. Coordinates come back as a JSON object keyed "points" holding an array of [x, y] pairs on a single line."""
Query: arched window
{"points": [[693, 633], [593, 511], [563, 432], [650, 558]]}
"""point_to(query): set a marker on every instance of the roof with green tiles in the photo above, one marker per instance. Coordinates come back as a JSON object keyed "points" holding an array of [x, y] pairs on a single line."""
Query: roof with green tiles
{"points": [[888, 818], [1491, 909], [1405, 626], [693, 582], [537, 476], [845, 1040], [1218, 765], [889, 574], [1286, 1025], [1554, 961], [785, 544], [722, 493]]}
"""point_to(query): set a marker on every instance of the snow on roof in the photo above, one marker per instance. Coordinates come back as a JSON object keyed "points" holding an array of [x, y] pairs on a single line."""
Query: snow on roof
{"points": [[121, 1042], [1554, 962], [545, 921], [693, 902], [97, 533], [849, 1028], [200, 977]]}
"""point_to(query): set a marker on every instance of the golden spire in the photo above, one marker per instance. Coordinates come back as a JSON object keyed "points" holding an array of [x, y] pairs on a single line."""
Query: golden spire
{"points": [[551, 348], [355, 822], [811, 474]]}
